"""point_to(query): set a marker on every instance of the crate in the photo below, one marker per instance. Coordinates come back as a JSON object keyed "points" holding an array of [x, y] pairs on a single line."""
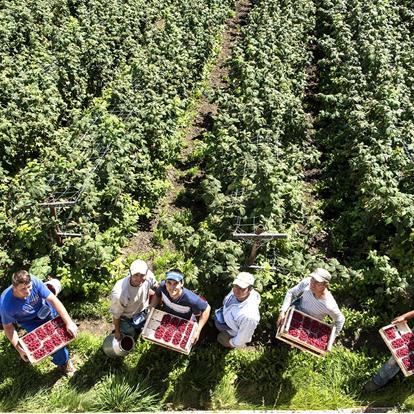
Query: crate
{"points": [[400, 341], [306, 332], [45, 340], [169, 331]]}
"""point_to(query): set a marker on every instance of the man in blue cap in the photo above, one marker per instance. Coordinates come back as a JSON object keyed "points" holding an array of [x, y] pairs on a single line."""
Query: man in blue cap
{"points": [[180, 301]]}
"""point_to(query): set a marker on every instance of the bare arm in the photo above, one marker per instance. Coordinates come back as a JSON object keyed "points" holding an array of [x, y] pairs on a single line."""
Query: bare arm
{"points": [[61, 310], [201, 322], [155, 301], [117, 326], [404, 317], [14, 340]]}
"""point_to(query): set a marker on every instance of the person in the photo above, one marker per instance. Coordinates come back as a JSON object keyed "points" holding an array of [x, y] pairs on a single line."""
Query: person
{"points": [[130, 300], [391, 368], [29, 303], [180, 301], [312, 297], [239, 316]]}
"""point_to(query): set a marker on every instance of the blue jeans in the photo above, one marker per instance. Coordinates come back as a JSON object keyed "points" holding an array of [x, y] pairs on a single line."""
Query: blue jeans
{"points": [[387, 372], [60, 357]]}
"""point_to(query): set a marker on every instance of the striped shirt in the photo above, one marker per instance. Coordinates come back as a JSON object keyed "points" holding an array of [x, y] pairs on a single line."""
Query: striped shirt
{"points": [[318, 308]]}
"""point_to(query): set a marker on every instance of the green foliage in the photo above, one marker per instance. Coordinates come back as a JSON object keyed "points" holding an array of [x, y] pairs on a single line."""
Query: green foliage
{"points": [[115, 394]]}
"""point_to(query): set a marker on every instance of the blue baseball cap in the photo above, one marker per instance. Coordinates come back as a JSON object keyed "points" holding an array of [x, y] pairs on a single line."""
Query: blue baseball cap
{"points": [[174, 275]]}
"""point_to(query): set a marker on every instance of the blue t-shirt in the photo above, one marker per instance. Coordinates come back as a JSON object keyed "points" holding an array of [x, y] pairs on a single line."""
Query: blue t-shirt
{"points": [[186, 306], [23, 310]]}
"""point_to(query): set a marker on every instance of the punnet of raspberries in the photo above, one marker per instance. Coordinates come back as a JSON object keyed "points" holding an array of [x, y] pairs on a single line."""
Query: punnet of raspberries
{"points": [[408, 363], [294, 332], [297, 316], [390, 333], [397, 343], [41, 333], [407, 337], [29, 338], [33, 345], [40, 353], [402, 352], [307, 323]]}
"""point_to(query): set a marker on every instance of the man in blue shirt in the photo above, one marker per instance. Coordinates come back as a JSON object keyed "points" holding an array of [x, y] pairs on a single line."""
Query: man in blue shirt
{"points": [[180, 301], [29, 303]]}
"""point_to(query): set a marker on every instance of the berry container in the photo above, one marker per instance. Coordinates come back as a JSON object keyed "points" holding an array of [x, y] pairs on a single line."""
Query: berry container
{"points": [[45, 340], [400, 341], [307, 333], [169, 331]]}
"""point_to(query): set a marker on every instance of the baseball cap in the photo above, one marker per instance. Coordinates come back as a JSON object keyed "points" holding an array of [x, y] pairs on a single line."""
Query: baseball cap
{"points": [[244, 279], [138, 266], [174, 275], [321, 275]]}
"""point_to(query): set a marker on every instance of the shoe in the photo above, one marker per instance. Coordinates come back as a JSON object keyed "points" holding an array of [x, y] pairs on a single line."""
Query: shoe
{"points": [[68, 369], [371, 386]]}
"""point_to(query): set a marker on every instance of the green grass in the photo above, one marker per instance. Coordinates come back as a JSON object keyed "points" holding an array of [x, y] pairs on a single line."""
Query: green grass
{"points": [[151, 378]]}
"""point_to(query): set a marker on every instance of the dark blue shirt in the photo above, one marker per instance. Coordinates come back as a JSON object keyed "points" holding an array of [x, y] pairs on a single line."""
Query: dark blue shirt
{"points": [[186, 306]]}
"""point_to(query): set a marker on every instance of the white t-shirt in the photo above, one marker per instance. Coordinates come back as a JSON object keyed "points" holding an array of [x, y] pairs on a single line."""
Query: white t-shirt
{"points": [[128, 300]]}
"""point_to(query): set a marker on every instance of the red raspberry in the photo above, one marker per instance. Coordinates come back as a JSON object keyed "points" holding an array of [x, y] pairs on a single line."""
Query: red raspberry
{"points": [[303, 336], [314, 326], [294, 332], [29, 338], [32, 346], [165, 319], [410, 346], [183, 343], [41, 333], [402, 352], [397, 343], [407, 337], [390, 333], [296, 324], [49, 328], [56, 339]]}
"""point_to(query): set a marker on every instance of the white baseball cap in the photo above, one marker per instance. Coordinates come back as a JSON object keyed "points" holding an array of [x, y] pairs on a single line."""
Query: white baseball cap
{"points": [[244, 280], [321, 275], [138, 266]]}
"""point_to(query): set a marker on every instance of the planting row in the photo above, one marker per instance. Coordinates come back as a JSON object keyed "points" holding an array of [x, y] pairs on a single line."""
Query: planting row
{"points": [[106, 155]]}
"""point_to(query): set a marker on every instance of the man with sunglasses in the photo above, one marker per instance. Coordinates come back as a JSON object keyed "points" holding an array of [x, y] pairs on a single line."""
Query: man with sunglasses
{"points": [[130, 300], [180, 301]]}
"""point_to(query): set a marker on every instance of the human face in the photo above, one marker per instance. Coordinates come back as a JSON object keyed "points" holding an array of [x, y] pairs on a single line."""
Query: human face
{"points": [[317, 288], [241, 294], [22, 291], [137, 279], [174, 288]]}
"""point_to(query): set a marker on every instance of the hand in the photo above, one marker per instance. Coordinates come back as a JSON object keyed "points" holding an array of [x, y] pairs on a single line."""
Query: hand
{"points": [[398, 319], [280, 318], [195, 337], [72, 328], [22, 354], [118, 335]]}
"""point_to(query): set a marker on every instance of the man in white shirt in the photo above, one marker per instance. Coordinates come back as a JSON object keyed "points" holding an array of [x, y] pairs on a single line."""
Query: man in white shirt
{"points": [[239, 316], [313, 297], [130, 300]]}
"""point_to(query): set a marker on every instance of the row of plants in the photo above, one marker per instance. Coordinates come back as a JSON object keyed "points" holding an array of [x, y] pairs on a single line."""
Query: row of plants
{"points": [[255, 160], [365, 127], [113, 133]]}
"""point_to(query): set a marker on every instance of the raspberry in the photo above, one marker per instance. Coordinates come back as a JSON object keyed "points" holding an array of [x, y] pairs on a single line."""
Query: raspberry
{"points": [[314, 326], [41, 333], [303, 336], [397, 343], [407, 337], [390, 333], [29, 338], [49, 328], [32, 346], [402, 352], [56, 340], [294, 332]]}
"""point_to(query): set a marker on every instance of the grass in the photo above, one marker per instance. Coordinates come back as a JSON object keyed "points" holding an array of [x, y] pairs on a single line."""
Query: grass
{"points": [[152, 378]]}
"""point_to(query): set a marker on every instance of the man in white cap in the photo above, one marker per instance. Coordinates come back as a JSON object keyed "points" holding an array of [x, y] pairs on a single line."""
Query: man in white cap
{"points": [[130, 299], [239, 316], [312, 297]]}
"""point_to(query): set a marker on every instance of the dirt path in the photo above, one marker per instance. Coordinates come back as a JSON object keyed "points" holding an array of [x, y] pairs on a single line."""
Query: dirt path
{"points": [[141, 242]]}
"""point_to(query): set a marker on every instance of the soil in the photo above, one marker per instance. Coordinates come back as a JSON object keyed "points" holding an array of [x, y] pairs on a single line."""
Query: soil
{"points": [[141, 242]]}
